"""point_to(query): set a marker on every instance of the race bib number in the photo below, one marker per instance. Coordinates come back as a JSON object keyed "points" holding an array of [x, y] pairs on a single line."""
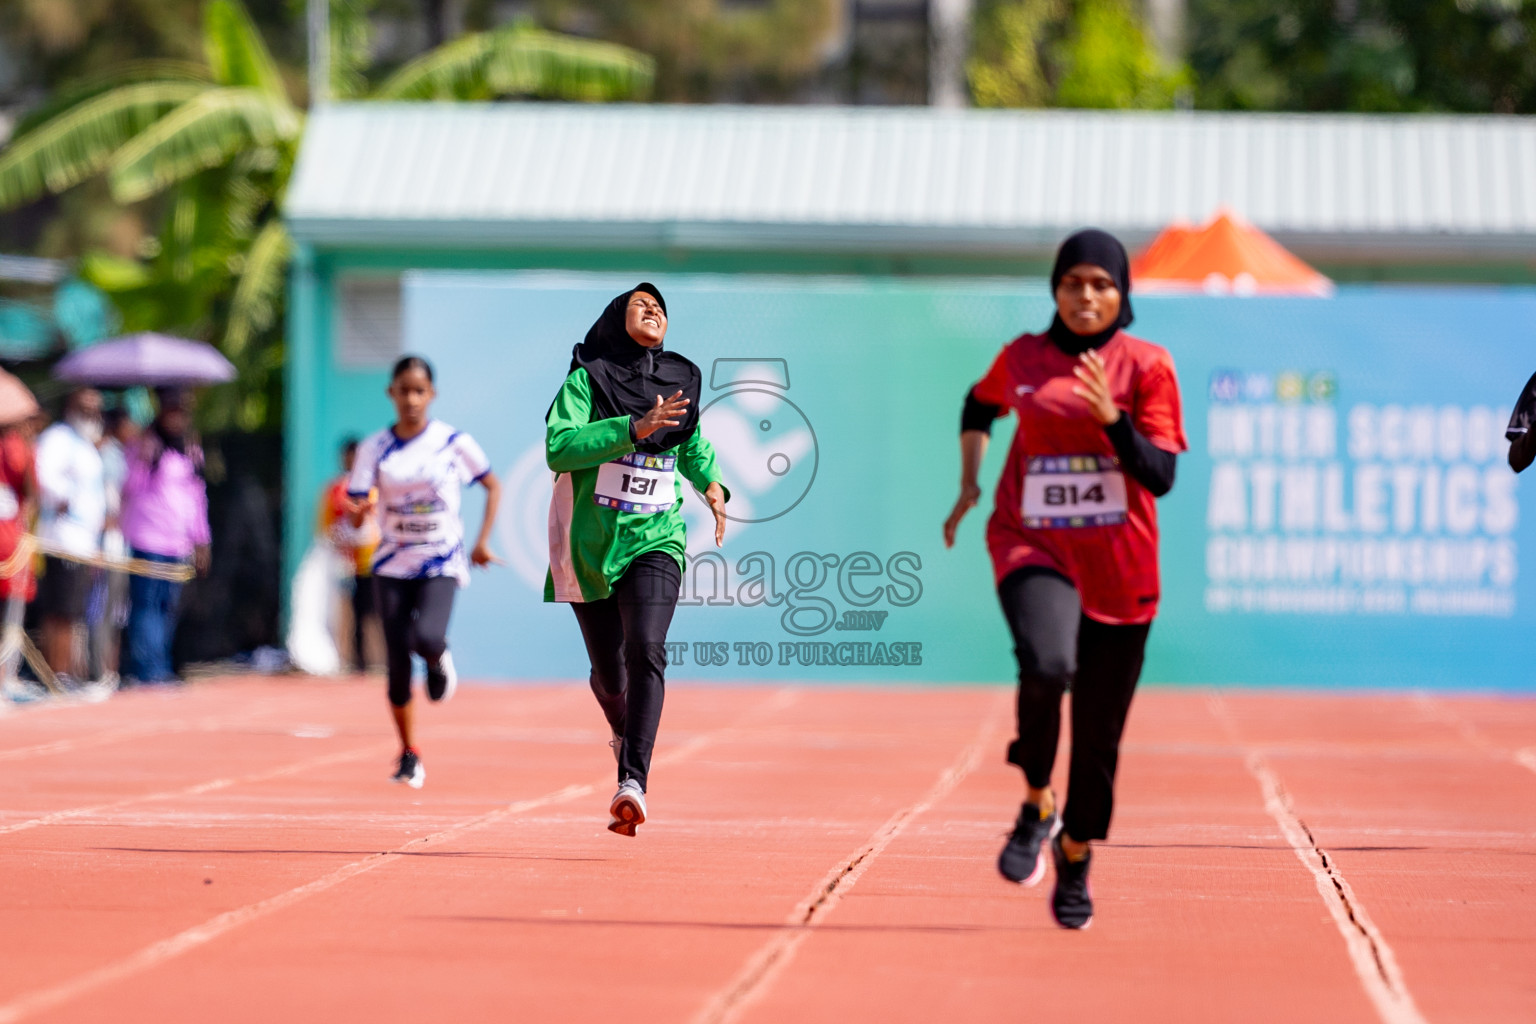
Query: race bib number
{"points": [[637, 483], [1069, 491], [424, 523]]}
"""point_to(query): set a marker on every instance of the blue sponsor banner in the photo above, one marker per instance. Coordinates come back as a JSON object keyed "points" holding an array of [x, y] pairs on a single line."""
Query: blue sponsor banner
{"points": [[1345, 515]]}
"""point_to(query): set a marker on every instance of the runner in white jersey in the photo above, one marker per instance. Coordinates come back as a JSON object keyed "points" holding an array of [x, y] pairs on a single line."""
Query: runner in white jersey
{"points": [[411, 474]]}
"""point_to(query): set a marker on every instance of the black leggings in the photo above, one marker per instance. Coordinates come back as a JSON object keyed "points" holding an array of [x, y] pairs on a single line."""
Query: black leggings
{"points": [[1059, 647], [414, 614], [626, 635]]}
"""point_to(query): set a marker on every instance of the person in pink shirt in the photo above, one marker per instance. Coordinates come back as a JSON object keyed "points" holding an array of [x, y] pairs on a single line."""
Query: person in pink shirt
{"points": [[164, 519]]}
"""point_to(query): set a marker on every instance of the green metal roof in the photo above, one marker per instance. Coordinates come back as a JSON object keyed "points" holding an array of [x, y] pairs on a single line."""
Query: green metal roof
{"points": [[905, 179]]}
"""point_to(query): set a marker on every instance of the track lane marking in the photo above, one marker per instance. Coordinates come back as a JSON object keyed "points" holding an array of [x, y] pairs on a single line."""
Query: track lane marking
{"points": [[200, 935], [99, 739], [1525, 757], [210, 786], [1370, 954], [764, 966]]}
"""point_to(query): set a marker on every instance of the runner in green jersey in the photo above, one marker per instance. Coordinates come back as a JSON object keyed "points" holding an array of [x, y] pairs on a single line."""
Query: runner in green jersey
{"points": [[623, 427]]}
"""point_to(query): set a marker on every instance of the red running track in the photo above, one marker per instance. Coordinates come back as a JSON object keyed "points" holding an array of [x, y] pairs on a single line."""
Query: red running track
{"points": [[232, 852]]}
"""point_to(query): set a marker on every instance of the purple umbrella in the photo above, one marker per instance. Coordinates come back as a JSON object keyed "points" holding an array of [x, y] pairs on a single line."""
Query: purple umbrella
{"points": [[146, 359]]}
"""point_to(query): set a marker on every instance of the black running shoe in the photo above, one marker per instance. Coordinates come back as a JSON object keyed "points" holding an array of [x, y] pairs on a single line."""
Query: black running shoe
{"points": [[411, 771], [1023, 857], [442, 680], [1072, 902]]}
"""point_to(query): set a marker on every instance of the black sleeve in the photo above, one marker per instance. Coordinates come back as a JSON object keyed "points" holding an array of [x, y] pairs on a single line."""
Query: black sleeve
{"points": [[1149, 465], [1522, 451], [1522, 428], [978, 415], [1524, 417]]}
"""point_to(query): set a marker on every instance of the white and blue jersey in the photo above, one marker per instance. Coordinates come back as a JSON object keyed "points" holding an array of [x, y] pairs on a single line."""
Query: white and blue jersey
{"points": [[419, 482]]}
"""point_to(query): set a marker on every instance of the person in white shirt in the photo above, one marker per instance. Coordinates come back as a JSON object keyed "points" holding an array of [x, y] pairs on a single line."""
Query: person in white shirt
{"points": [[417, 468], [106, 630], [72, 514]]}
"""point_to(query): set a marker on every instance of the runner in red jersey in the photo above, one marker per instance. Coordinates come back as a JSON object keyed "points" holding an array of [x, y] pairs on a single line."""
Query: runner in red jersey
{"points": [[1073, 540]]}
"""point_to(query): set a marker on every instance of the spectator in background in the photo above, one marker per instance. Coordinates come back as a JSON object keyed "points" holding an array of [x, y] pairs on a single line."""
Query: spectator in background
{"points": [[355, 544], [110, 601], [165, 519], [72, 514], [18, 491]]}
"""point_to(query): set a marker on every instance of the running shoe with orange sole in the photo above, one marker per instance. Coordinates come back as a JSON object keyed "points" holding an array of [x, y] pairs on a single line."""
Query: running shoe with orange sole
{"points": [[627, 809]]}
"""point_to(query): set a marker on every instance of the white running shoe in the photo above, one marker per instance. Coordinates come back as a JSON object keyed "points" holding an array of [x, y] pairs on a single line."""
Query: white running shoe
{"points": [[442, 680], [628, 808], [617, 746]]}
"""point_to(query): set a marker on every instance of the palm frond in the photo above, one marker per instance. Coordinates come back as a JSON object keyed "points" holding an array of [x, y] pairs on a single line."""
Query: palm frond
{"points": [[254, 306], [525, 61], [520, 60], [202, 133], [80, 142], [93, 85], [235, 49], [447, 72]]}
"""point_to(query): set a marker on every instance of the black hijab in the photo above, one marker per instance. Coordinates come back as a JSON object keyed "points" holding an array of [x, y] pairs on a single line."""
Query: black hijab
{"points": [[626, 376], [1103, 250]]}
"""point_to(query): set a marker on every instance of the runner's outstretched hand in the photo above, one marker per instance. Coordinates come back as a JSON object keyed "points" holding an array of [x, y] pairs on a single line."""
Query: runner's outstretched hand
{"points": [[715, 495], [665, 413], [482, 557], [970, 494]]}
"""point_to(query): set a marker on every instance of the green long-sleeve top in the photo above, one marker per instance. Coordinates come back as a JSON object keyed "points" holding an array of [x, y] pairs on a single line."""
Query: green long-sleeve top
{"points": [[591, 545]]}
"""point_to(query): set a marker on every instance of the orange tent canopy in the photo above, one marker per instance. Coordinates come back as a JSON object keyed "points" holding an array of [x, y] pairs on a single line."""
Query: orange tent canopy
{"points": [[1228, 256]]}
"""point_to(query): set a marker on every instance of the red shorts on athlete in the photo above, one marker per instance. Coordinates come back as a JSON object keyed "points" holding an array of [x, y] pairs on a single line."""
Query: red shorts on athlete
{"points": [[1062, 502]]}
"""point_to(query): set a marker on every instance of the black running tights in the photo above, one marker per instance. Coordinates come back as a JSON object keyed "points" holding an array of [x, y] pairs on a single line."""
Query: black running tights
{"points": [[1058, 647], [414, 614], [626, 636]]}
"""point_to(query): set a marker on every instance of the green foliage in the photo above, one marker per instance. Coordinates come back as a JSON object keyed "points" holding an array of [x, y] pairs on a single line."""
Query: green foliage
{"points": [[99, 82], [214, 148], [235, 51], [1109, 62], [206, 131], [522, 60], [1006, 68], [710, 50], [258, 296], [1068, 53], [1364, 55], [80, 141]]}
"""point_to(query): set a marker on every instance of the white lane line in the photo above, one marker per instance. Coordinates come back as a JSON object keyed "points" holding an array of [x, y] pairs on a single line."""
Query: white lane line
{"points": [[200, 935], [99, 739], [764, 967], [212, 785], [1437, 710], [1372, 957]]}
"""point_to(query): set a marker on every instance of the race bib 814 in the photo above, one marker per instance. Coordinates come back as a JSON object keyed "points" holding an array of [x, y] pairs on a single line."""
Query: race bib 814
{"points": [[1069, 491]]}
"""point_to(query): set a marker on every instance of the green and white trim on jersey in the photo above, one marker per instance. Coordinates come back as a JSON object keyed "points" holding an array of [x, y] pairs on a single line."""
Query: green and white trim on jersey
{"points": [[592, 544]]}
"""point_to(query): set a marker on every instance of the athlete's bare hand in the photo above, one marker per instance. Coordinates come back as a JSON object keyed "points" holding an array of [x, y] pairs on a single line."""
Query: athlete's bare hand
{"points": [[970, 494], [482, 557], [715, 495], [359, 509], [666, 412], [1094, 388]]}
